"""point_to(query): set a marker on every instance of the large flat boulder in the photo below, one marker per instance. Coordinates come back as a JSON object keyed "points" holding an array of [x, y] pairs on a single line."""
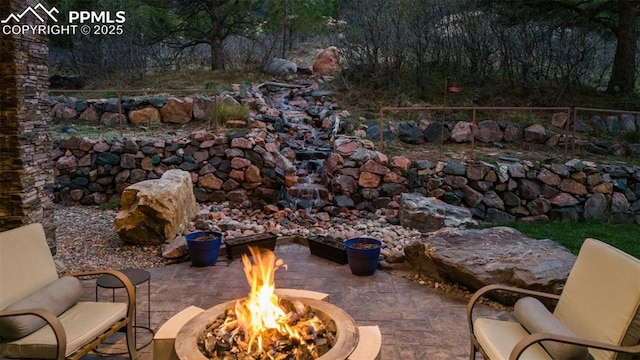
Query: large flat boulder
{"points": [[155, 211], [499, 255], [430, 214]]}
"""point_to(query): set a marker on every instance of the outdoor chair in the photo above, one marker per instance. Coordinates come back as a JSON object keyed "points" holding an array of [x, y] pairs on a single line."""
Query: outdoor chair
{"points": [[597, 315], [40, 313]]}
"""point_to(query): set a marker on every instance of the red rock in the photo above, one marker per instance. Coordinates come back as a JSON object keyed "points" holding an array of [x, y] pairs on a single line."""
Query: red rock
{"points": [[66, 162], [373, 167], [369, 180], [530, 219], [572, 187], [461, 132], [400, 162], [394, 178], [177, 111], [230, 185], [85, 161], [147, 115], [327, 61], [237, 196], [270, 209], [252, 174], [604, 188], [240, 163], [456, 182], [90, 114], [241, 143], [333, 161], [202, 108], [237, 175], [112, 119], [564, 200], [86, 144], [381, 158], [488, 131], [548, 177], [348, 148], [210, 181]]}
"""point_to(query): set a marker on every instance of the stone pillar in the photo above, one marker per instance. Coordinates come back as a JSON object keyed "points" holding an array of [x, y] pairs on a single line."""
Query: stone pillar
{"points": [[26, 168]]}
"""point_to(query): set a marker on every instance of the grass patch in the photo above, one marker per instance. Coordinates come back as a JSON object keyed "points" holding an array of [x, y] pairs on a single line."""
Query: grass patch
{"points": [[625, 237]]}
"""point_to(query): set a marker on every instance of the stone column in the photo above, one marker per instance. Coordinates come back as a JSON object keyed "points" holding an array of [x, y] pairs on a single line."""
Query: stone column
{"points": [[26, 168]]}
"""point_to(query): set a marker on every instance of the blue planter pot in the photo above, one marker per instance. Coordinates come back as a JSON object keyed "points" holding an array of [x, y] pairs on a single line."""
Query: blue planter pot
{"points": [[363, 255], [204, 247]]}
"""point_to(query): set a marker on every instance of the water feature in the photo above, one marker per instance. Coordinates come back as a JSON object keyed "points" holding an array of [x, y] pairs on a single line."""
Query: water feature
{"points": [[305, 140]]}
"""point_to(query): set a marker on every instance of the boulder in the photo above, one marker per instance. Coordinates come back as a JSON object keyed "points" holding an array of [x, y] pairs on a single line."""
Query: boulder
{"points": [[429, 214], [499, 255], [278, 66], [145, 116], [461, 132], [155, 211], [488, 131], [327, 61], [409, 132], [177, 111]]}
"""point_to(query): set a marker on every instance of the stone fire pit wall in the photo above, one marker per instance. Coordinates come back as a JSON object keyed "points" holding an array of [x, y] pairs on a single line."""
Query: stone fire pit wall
{"points": [[251, 169]]}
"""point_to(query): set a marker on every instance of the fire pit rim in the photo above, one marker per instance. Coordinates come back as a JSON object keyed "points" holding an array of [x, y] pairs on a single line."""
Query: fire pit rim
{"points": [[186, 343]]}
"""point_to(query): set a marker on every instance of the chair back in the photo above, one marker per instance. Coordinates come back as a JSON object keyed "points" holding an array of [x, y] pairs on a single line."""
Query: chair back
{"points": [[601, 298], [26, 264]]}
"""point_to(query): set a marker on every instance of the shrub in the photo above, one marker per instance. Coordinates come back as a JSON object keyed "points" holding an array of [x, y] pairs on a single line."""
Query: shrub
{"points": [[225, 112]]}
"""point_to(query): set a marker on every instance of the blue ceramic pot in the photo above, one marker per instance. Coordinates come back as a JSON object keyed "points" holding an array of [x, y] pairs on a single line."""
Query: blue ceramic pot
{"points": [[204, 247], [363, 255]]}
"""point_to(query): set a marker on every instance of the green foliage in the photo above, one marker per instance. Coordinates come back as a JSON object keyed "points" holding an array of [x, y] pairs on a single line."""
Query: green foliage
{"points": [[110, 205], [225, 112], [632, 137], [625, 237]]}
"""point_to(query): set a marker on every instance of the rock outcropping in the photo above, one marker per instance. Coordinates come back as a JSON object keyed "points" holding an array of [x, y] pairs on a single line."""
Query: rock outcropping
{"points": [[429, 214], [499, 255], [155, 211]]}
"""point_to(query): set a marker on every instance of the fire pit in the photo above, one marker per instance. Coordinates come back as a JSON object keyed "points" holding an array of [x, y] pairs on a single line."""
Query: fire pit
{"points": [[263, 326], [186, 344]]}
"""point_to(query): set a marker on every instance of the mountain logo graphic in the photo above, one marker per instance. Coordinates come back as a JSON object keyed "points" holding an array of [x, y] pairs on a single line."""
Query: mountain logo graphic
{"points": [[32, 10]]}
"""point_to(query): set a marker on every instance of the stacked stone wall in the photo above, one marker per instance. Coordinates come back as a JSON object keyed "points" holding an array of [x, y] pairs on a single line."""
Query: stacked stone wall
{"points": [[251, 170], [26, 179]]}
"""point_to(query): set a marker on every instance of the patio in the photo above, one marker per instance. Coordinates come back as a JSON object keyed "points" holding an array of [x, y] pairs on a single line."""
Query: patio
{"points": [[416, 322]]}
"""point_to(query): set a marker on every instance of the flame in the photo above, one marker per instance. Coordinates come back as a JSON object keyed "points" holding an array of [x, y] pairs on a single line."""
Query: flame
{"points": [[260, 312]]}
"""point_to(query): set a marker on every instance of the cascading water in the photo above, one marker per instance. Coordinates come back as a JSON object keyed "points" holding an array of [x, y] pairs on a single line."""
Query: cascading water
{"points": [[305, 142]]}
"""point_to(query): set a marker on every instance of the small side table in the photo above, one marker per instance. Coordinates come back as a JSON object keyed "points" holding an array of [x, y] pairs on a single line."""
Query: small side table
{"points": [[137, 277]]}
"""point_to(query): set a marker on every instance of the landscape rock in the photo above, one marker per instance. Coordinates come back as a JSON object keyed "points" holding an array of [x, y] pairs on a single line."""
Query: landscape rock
{"points": [[177, 110], [155, 211], [429, 214], [409, 132], [327, 61], [488, 131], [499, 255], [278, 66], [147, 115]]}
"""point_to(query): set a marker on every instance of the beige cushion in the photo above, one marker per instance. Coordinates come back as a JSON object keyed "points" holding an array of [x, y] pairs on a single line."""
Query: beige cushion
{"points": [[601, 299], [20, 275], [82, 323], [498, 338], [535, 317], [56, 297]]}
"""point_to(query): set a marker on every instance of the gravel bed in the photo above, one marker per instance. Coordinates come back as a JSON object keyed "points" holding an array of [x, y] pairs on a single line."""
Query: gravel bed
{"points": [[87, 240]]}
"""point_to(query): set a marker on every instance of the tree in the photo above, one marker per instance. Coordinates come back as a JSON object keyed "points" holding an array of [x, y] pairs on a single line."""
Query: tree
{"points": [[619, 19], [209, 22]]}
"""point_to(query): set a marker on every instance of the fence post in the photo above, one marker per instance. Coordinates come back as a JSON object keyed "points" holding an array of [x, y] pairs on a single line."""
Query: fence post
{"points": [[381, 130]]}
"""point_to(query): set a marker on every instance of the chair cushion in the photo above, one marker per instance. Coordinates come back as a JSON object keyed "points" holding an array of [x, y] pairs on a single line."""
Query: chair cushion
{"points": [[498, 338], [56, 297], [535, 317]]}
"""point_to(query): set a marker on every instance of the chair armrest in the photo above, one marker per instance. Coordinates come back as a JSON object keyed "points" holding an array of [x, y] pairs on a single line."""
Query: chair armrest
{"points": [[52, 320], [494, 287], [535, 338], [128, 285]]}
